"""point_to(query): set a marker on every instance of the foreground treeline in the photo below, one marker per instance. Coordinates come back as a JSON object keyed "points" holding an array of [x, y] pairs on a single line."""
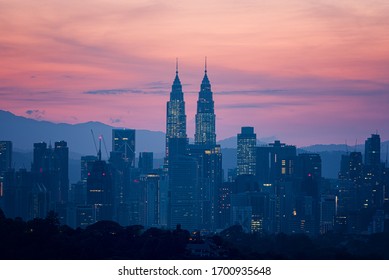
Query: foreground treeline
{"points": [[330, 246], [47, 239]]}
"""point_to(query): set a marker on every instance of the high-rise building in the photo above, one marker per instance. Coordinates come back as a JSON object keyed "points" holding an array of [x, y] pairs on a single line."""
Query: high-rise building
{"points": [[355, 170], [328, 212], [175, 113], [17, 188], [275, 161], [99, 191], [205, 116], [309, 166], [373, 173], [350, 191], [151, 196], [210, 178], [223, 205], [61, 166], [145, 162], [306, 212], [246, 153], [373, 151], [50, 167], [86, 166], [184, 193], [123, 143], [252, 211], [42, 158], [5, 155], [122, 164]]}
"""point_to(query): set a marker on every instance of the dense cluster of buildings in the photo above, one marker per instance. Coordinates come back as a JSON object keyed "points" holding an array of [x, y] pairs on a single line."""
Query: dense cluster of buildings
{"points": [[286, 192], [272, 190]]}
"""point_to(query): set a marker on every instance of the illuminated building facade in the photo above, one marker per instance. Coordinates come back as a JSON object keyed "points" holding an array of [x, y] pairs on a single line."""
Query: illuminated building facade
{"points": [[205, 116], [175, 113], [246, 153]]}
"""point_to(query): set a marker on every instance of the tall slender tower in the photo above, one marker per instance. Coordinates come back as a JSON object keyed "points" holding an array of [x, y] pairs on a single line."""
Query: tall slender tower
{"points": [[205, 116], [175, 113]]}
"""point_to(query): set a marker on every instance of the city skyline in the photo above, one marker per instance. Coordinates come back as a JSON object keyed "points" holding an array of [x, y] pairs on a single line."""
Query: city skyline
{"points": [[312, 69]]}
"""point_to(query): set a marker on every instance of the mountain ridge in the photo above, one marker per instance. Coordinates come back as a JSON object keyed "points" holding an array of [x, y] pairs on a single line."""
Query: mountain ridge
{"points": [[23, 132], [40, 128]]}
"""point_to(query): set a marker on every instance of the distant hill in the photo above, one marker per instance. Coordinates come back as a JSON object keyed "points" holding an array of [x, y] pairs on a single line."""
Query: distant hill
{"points": [[23, 132], [333, 147]]}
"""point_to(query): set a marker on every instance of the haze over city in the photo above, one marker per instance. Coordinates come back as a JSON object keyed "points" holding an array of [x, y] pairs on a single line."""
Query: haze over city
{"points": [[304, 72]]}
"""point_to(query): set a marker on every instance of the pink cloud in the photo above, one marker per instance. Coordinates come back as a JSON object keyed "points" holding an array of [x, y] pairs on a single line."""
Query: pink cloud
{"points": [[288, 69]]}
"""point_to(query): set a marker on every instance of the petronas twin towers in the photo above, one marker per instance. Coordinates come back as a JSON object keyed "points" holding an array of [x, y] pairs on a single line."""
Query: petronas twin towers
{"points": [[205, 117]]}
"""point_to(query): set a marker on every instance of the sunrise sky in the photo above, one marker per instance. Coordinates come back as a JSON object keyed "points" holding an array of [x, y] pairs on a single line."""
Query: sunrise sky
{"points": [[305, 72]]}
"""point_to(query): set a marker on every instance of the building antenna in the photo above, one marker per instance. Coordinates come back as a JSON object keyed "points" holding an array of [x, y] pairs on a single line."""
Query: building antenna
{"points": [[205, 65], [176, 65]]}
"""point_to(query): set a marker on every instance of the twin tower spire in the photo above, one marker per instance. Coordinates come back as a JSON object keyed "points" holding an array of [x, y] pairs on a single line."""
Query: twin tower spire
{"points": [[205, 116]]}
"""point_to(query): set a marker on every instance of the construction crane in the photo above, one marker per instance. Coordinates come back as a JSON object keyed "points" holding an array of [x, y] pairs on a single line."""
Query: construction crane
{"points": [[98, 151]]}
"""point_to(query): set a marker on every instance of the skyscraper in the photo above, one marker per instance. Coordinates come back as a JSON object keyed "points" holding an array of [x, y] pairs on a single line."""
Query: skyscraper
{"points": [[210, 178], [275, 161], [175, 113], [306, 212], [151, 195], [373, 171], [122, 163], [205, 116], [99, 191], [145, 162], [51, 168], [42, 158], [86, 166], [61, 165], [123, 143], [5, 155], [246, 153], [373, 150], [184, 206], [309, 165]]}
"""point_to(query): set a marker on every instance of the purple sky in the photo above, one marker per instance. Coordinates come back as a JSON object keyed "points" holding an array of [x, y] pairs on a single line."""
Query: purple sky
{"points": [[305, 72]]}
